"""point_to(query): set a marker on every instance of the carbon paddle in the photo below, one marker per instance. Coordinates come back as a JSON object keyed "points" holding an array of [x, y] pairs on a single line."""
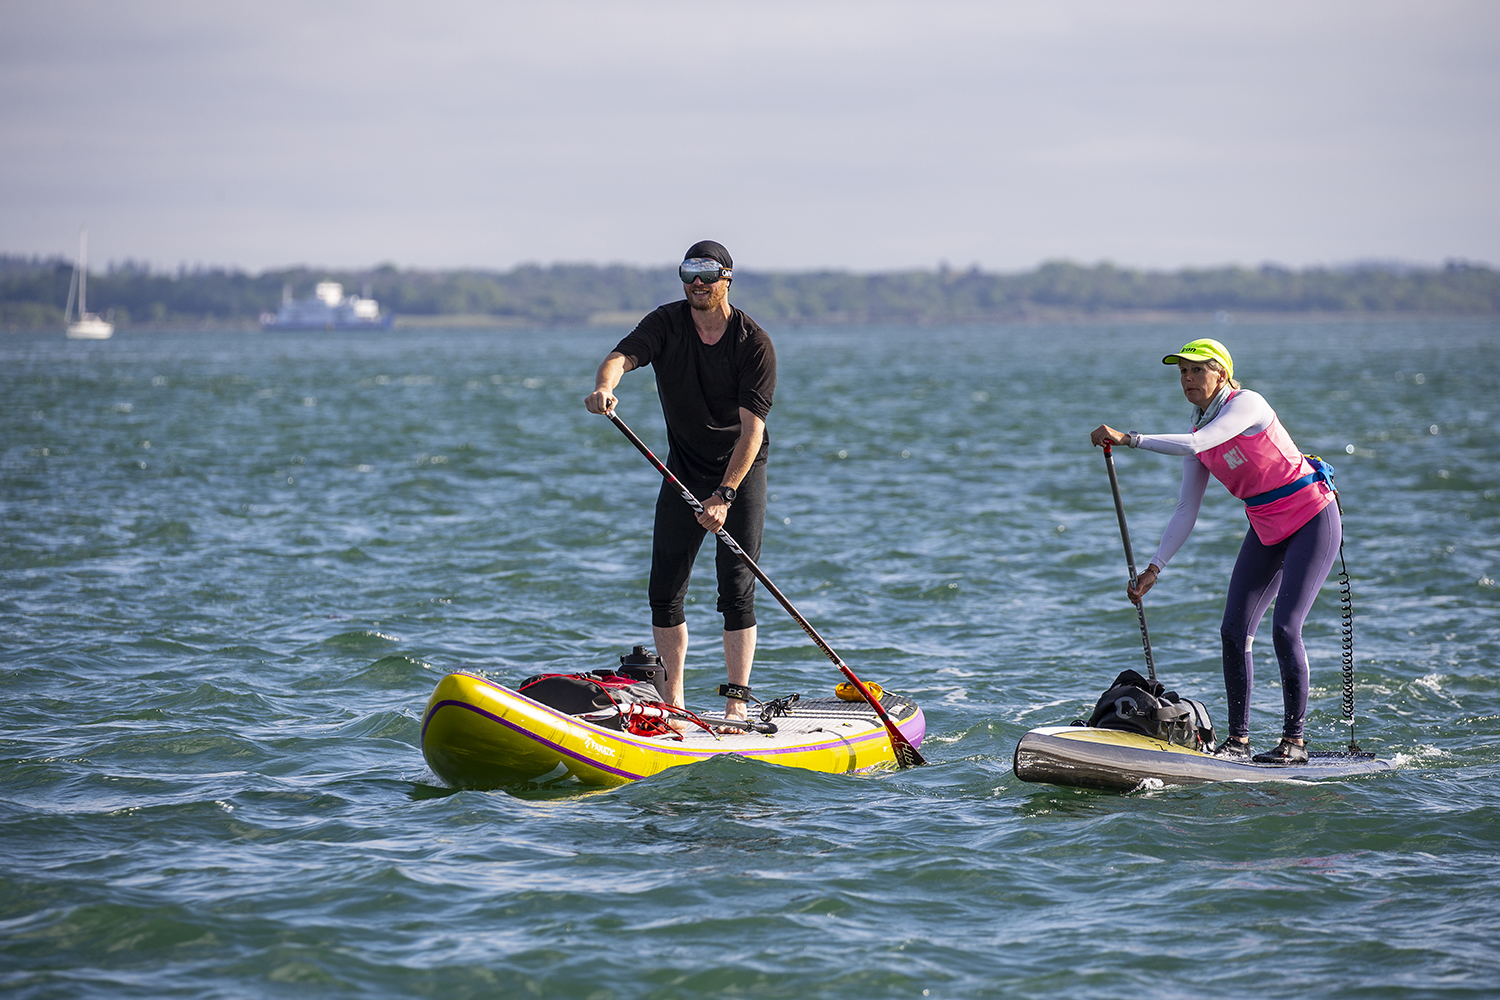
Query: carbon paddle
{"points": [[906, 754], [1140, 610]]}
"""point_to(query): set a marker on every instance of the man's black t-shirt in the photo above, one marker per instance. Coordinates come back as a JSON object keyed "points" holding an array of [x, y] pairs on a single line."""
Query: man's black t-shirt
{"points": [[702, 388]]}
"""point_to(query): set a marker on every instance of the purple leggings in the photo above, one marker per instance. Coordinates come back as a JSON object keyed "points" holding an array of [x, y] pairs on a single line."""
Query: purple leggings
{"points": [[1291, 571]]}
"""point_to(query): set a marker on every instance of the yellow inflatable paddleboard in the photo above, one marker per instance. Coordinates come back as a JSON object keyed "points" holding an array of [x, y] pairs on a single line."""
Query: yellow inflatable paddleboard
{"points": [[480, 734]]}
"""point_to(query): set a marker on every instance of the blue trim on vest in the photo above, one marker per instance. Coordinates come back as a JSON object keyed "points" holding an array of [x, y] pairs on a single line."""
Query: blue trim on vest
{"points": [[1321, 472]]}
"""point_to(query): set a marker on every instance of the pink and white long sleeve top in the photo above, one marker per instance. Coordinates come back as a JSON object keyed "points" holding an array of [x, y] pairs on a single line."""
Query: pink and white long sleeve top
{"points": [[1245, 447]]}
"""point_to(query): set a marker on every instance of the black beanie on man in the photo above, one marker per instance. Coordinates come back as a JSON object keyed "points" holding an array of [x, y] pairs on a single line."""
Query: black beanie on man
{"points": [[711, 250]]}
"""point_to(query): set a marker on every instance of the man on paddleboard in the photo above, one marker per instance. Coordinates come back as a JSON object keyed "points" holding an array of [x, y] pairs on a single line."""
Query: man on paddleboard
{"points": [[1294, 533], [715, 374]]}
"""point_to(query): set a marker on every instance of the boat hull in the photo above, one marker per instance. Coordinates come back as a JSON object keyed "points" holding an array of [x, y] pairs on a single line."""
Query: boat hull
{"points": [[479, 734], [90, 328], [1085, 757]]}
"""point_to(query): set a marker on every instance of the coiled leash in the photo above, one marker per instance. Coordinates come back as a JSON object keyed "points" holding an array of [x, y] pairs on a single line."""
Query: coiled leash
{"points": [[1323, 472]]}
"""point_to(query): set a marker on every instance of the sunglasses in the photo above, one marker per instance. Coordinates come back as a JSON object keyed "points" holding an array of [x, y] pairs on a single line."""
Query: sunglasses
{"points": [[704, 268]]}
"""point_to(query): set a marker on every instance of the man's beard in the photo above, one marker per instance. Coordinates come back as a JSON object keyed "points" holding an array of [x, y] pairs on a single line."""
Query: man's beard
{"points": [[708, 304]]}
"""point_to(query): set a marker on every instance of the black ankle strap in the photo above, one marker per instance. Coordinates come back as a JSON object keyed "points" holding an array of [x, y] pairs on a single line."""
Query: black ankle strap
{"points": [[739, 692]]}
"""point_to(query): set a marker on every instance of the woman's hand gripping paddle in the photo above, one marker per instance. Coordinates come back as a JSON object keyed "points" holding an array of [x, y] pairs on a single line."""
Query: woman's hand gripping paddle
{"points": [[1140, 610], [906, 754]]}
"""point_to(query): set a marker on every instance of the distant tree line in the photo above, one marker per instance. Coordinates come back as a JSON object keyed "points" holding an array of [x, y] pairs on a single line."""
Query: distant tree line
{"points": [[34, 291]]}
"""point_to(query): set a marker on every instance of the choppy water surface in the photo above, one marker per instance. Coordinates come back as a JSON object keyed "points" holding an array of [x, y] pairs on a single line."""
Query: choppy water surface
{"points": [[234, 567]]}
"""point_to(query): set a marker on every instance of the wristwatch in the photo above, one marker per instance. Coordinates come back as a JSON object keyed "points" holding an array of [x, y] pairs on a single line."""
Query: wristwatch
{"points": [[728, 493]]}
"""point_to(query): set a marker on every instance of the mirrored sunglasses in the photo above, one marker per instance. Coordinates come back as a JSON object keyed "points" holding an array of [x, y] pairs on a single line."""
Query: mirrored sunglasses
{"points": [[705, 268]]}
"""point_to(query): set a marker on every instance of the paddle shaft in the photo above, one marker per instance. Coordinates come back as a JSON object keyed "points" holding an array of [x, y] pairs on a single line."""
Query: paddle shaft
{"points": [[906, 754], [1140, 610]]}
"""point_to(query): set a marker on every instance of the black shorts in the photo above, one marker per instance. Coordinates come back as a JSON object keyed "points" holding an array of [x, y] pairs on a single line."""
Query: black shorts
{"points": [[676, 541]]}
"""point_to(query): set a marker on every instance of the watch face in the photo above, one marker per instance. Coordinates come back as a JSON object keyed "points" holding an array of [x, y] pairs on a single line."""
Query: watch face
{"points": [[727, 492]]}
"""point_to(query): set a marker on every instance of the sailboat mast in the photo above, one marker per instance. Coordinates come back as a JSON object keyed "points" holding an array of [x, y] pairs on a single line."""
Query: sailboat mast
{"points": [[83, 271], [72, 292]]}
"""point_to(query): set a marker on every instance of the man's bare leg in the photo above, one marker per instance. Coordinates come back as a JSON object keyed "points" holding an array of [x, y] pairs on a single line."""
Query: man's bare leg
{"points": [[671, 646], [739, 657]]}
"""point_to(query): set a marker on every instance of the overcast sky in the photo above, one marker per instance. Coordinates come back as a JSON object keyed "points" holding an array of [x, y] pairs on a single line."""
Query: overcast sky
{"points": [[855, 135]]}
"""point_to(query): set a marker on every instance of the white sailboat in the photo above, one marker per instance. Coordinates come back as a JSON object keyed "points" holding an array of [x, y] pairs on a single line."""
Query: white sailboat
{"points": [[87, 326]]}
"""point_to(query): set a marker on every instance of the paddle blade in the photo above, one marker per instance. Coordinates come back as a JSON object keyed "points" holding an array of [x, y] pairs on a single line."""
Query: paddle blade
{"points": [[906, 754]]}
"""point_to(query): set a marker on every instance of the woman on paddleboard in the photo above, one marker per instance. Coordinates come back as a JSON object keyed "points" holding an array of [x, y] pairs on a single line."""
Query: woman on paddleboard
{"points": [[1287, 553]]}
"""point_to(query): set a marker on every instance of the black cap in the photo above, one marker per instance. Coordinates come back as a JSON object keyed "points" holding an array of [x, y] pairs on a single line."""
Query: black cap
{"points": [[711, 250]]}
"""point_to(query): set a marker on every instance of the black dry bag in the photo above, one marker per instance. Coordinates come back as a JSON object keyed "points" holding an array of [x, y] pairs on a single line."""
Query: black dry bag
{"points": [[584, 694], [1134, 704]]}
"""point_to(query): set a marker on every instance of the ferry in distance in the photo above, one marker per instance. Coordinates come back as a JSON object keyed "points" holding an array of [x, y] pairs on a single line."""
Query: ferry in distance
{"points": [[327, 309]]}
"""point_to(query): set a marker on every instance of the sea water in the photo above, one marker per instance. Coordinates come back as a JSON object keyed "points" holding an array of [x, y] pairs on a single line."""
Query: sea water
{"points": [[234, 566]]}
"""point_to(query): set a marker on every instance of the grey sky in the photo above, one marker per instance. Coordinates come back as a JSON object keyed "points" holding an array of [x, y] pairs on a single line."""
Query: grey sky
{"points": [[861, 135]]}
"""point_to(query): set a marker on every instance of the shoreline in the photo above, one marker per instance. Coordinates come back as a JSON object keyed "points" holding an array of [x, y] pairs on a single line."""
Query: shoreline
{"points": [[420, 324]]}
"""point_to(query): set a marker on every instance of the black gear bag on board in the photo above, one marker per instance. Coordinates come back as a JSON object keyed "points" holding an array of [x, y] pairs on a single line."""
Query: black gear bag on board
{"points": [[1134, 704], [584, 694]]}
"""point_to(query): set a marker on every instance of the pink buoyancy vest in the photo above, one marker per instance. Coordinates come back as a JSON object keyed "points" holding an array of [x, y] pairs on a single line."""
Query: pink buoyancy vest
{"points": [[1251, 464]]}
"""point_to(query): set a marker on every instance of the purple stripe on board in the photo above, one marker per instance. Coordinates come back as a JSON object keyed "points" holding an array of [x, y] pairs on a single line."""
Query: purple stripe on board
{"points": [[531, 736], [914, 729]]}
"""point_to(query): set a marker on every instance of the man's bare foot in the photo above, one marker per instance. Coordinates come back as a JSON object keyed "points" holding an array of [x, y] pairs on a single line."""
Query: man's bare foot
{"points": [[734, 710]]}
